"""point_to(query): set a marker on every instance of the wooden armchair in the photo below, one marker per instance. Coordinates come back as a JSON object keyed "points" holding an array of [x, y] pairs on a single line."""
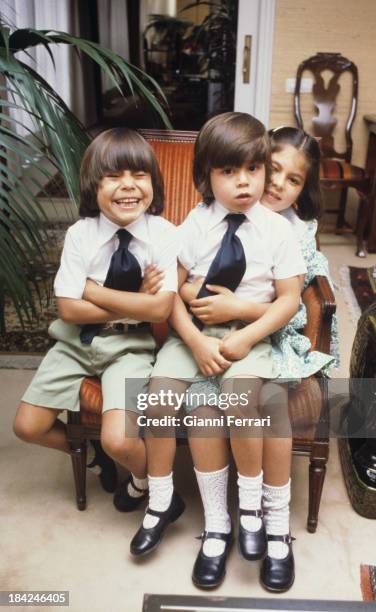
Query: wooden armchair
{"points": [[336, 171], [308, 405]]}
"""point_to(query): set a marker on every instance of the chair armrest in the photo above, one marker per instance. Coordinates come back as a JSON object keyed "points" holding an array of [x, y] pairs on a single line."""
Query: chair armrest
{"points": [[320, 303]]}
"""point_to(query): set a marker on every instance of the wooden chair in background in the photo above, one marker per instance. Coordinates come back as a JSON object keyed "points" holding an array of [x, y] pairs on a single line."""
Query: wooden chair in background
{"points": [[308, 405], [337, 171]]}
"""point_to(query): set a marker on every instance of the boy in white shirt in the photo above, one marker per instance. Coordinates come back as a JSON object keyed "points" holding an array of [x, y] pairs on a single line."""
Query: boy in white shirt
{"points": [[105, 314], [233, 241]]}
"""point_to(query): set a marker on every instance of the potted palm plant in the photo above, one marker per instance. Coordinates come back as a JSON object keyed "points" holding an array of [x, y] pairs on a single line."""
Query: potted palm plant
{"points": [[216, 38], [56, 135]]}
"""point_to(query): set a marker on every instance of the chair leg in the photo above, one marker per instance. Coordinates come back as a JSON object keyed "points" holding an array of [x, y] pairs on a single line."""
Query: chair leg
{"points": [[78, 455], [317, 471], [361, 225], [342, 208]]}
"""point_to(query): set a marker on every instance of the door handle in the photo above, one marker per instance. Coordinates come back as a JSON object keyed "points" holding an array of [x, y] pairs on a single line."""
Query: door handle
{"points": [[247, 58]]}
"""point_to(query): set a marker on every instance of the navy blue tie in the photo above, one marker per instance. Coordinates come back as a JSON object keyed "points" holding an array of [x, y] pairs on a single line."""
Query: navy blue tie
{"points": [[228, 266], [123, 274]]}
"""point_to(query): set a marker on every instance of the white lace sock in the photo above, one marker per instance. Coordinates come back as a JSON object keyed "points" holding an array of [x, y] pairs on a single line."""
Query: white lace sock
{"points": [[140, 483], [161, 489], [275, 502], [213, 490], [250, 491]]}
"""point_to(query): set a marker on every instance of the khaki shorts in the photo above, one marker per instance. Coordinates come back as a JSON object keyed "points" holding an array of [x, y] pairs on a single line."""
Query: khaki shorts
{"points": [[114, 357], [175, 360]]}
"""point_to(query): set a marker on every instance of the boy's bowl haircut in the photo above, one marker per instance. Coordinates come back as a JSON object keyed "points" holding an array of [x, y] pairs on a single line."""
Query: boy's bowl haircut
{"points": [[116, 150], [228, 140]]}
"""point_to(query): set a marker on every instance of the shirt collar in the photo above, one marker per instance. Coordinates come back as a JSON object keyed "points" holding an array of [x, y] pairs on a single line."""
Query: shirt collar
{"points": [[218, 212], [108, 229]]}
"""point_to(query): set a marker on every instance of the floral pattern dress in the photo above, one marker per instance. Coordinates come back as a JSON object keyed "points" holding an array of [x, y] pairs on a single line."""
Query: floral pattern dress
{"points": [[291, 349]]}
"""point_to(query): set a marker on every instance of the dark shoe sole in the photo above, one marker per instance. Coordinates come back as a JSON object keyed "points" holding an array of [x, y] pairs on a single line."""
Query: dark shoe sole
{"points": [[208, 587], [275, 590]]}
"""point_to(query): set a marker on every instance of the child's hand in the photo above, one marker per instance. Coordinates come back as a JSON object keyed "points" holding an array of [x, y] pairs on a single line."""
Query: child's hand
{"points": [[152, 281], [216, 308], [188, 291], [206, 352], [235, 345]]}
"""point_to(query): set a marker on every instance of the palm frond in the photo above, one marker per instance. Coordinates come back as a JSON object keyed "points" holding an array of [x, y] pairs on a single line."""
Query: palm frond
{"points": [[52, 141]]}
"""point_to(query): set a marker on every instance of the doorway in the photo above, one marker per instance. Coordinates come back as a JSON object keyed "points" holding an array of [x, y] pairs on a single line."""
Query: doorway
{"points": [[208, 57]]}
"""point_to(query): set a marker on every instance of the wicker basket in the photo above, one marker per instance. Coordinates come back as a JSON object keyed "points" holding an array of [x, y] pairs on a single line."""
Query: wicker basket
{"points": [[362, 497]]}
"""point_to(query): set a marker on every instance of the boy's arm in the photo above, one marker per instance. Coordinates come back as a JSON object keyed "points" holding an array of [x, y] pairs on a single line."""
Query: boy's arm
{"points": [[77, 311], [128, 304], [226, 306], [205, 349], [237, 345], [222, 307]]}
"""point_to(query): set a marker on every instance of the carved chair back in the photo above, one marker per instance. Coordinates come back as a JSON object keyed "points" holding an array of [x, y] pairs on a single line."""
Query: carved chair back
{"points": [[324, 100]]}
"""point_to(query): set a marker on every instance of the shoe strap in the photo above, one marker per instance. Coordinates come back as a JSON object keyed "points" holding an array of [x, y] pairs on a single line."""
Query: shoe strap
{"points": [[287, 538], [130, 480], [206, 535], [158, 513], [257, 513]]}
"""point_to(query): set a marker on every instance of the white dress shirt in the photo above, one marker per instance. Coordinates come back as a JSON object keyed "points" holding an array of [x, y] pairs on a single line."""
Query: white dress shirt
{"points": [[90, 243], [270, 245]]}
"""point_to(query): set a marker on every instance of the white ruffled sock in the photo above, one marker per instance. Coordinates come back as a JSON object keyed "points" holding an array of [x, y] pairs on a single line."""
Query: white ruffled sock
{"points": [[250, 491], [275, 502], [140, 483], [213, 490], [161, 489]]}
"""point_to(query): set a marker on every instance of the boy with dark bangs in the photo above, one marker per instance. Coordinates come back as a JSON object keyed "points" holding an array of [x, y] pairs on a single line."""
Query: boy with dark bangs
{"points": [[231, 241]]}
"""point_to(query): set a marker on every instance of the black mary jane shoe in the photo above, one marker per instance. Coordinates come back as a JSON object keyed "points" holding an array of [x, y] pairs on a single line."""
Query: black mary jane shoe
{"points": [[147, 540], [123, 501], [209, 572], [108, 473], [277, 575], [252, 544]]}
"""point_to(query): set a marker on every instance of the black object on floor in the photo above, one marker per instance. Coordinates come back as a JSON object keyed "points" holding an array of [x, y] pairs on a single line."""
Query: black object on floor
{"points": [[108, 473]]}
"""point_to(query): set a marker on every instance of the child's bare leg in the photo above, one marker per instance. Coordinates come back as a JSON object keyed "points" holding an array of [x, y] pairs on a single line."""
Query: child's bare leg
{"points": [[246, 447], [277, 437], [160, 440], [165, 505], [161, 448], [200, 439], [40, 425], [120, 440]]}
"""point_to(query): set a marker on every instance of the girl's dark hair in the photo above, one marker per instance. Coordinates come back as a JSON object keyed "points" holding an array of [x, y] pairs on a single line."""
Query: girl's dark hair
{"points": [[309, 202], [117, 150], [228, 140]]}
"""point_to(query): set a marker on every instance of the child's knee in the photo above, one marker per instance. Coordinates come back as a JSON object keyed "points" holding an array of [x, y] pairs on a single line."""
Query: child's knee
{"points": [[118, 446], [23, 426]]}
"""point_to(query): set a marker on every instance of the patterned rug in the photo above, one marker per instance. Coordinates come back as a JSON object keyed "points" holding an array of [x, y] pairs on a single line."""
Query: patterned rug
{"points": [[368, 582], [359, 288]]}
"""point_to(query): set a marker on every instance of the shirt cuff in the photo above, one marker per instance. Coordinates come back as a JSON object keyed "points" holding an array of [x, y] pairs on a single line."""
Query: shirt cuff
{"points": [[68, 292]]}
